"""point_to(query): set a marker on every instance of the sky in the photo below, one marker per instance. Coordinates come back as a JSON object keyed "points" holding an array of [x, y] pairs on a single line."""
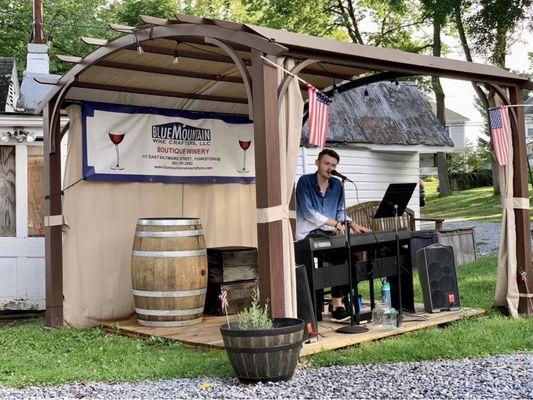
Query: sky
{"points": [[460, 94]]}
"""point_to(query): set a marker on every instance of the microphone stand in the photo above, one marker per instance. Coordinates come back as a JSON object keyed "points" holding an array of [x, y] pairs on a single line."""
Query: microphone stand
{"points": [[352, 328], [398, 267]]}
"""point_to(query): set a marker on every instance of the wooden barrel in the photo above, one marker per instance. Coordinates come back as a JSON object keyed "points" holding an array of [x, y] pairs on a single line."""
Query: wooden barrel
{"points": [[169, 271]]}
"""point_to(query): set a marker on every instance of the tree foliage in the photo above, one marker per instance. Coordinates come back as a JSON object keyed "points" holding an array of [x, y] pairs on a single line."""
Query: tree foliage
{"points": [[127, 12]]}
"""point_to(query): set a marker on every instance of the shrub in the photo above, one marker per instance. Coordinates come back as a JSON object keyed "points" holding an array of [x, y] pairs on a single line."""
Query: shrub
{"points": [[469, 180], [255, 317]]}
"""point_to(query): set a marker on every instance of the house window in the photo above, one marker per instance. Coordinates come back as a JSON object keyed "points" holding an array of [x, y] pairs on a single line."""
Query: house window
{"points": [[35, 191], [530, 131], [8, 220]]}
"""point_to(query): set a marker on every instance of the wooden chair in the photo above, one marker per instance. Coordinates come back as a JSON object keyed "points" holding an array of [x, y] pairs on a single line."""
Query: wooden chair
{"points": [[362, 214]]}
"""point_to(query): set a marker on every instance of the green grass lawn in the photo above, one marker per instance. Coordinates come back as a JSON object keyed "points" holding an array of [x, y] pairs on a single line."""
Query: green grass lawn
{"points": [[472, 204], [32, 355]]}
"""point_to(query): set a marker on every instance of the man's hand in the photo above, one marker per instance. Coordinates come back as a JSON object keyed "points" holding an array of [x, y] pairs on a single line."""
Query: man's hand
{"points": [[340, 229], [356, 228]]}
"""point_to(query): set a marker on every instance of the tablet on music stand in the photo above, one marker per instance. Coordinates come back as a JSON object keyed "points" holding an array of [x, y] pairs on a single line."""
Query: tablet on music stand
{"points": [[397, 194]]}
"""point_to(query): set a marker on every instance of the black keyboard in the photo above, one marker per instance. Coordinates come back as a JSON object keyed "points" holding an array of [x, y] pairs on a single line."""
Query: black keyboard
{"points": [[315, 243]]}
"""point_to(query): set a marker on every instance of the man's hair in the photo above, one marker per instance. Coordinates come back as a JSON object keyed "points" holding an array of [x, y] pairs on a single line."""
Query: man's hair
{"points": [[329, 152]]}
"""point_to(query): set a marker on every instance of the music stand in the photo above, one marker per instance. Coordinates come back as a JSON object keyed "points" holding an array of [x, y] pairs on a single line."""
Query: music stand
{"points": [[393, 205]]}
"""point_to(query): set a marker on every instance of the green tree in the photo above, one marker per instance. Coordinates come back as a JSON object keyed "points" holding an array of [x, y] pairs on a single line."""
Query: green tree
{"points": [[127, 12], [15, 30], [487, 28], [439, 11], [64, 23]]}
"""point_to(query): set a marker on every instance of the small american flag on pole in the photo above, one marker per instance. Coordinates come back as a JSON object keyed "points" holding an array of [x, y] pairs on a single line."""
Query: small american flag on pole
{"points": [[223, 299], [500, 129], [318, 116]]}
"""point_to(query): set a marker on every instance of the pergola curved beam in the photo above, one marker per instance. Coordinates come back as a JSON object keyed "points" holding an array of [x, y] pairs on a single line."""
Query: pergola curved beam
{"points": [[241, 66], [284, 85], [161, 32], [55, 120]]}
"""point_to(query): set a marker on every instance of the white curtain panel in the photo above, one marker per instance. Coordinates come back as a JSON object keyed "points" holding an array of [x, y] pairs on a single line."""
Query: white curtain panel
{"points": [[507, 294], [290, 129]]}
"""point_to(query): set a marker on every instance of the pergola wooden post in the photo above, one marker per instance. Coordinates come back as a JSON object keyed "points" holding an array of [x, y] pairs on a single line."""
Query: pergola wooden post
{"points": [[268, 189], [53, 217], [520, 190]]}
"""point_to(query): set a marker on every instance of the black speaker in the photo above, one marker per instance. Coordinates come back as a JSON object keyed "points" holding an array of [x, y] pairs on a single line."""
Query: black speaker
{"points": [[438, 278], [305, 303]]}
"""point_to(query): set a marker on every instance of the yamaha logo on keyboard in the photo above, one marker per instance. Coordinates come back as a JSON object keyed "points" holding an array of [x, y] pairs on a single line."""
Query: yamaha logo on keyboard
{"points": [[323, 244]]}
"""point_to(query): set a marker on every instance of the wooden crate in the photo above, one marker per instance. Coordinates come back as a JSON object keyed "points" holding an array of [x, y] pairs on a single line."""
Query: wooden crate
{"points": [[234, 269], [239, 296], [232, 264]]}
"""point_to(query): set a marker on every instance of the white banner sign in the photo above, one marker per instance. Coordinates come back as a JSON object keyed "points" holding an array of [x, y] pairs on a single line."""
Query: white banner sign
{"points": [[140, 144]]}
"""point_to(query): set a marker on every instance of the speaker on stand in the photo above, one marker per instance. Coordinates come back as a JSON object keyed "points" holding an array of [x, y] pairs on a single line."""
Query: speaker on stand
{"points": [[438, 278]]}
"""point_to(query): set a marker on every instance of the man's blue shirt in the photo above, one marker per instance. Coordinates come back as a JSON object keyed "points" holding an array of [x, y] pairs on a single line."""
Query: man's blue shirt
{"points": [[312, 209]]}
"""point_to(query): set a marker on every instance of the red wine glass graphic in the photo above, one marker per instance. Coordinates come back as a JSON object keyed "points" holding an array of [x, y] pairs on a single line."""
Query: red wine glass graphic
{"points": [[116, 138], [245, 145]]}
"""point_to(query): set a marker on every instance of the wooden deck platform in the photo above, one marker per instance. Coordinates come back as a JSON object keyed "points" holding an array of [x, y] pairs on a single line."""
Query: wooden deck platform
{"points": [[207, 333]]}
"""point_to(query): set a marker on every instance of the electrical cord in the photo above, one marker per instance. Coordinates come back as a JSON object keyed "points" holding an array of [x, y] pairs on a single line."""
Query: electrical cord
{"points": [[62, 192]]}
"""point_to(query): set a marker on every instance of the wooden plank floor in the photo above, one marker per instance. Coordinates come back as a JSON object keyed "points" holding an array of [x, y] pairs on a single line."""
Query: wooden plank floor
{"points": [[207, 333]]}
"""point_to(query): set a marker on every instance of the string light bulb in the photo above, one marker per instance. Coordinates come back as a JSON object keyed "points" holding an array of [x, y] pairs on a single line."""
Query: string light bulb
{"points": [[335, 91], [366, 92], [49, 41], [176, 59], [140, 50]]}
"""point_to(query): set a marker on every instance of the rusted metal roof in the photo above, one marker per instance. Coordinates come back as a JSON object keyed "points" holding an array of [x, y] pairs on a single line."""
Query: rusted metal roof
{"points": [[390, 114]]}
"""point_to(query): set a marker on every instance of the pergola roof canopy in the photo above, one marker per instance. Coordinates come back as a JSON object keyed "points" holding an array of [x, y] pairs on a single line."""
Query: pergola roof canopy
{"points": [[207, 78]]}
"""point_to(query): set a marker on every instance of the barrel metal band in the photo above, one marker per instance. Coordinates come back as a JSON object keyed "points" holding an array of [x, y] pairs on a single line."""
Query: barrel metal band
{"points": [[170, 254], [144, 322], [268, 349], [169, 313], [170, 293], [168, 222], [150, 234]]}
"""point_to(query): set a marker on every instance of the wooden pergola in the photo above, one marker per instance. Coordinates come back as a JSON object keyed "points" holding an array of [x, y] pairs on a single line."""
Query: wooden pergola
{"points": [[221, 70]]}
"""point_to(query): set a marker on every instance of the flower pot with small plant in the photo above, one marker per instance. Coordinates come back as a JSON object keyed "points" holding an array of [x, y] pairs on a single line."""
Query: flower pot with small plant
{"points": [[262, 349]]}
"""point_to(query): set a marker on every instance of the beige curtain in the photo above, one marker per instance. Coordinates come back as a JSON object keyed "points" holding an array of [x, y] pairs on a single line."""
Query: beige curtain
{"points": [[100, 220], [290, 128], [507, 294]]}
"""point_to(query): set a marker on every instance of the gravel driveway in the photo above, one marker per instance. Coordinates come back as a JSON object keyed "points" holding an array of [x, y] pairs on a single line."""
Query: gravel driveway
{"points": [[502, 377]]}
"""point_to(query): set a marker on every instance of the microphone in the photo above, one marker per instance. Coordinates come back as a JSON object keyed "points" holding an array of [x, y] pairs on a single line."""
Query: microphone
{"points": [[340, 176]]}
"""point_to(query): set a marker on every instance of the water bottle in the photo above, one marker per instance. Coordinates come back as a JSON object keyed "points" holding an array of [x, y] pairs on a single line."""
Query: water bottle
{"points": [[385, 294]]}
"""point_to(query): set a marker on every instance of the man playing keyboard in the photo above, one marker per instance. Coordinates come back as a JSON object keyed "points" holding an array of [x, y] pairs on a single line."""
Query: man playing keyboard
{"points": [[320, 211]]}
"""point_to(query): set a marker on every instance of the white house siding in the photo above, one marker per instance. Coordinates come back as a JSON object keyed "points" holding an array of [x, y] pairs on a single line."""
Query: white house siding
{"points": [[372, 171]]}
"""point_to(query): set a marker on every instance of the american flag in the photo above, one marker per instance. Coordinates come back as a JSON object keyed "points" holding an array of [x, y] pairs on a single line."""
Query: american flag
{"points": [[318, 116], [223, 299], [500, 129]]}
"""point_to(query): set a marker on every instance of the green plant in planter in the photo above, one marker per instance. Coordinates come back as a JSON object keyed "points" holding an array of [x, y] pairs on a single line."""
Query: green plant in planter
{"points": [[255, 317]]}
